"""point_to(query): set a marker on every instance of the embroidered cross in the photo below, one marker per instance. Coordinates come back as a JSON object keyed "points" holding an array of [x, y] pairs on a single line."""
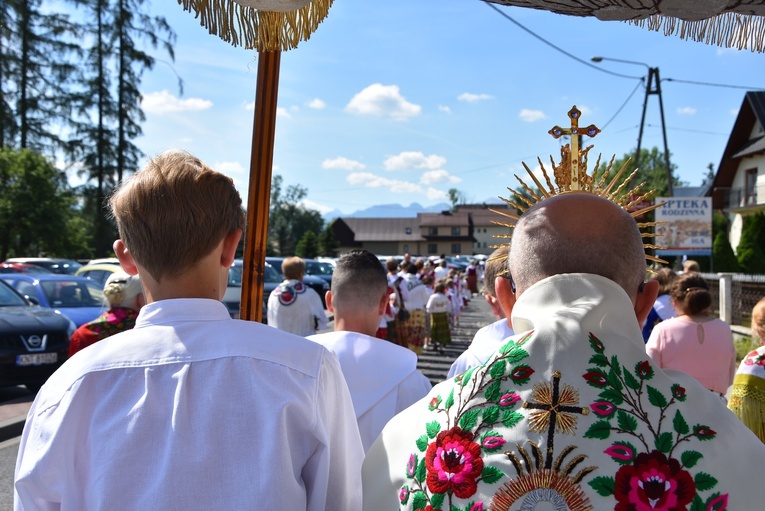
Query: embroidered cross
{"points": [[555, 411], [575, 131]]}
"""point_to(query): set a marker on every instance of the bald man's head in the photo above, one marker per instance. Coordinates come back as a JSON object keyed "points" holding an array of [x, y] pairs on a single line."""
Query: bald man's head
{"points": [[577, 233]]}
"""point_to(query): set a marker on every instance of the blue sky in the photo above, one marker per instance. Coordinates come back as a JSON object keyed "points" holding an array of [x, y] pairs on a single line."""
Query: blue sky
{"points": [[398, 101]]}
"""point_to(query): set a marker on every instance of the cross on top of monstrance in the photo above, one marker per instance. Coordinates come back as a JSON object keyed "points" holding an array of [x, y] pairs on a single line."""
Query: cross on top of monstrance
{"points": [[571, 155]]}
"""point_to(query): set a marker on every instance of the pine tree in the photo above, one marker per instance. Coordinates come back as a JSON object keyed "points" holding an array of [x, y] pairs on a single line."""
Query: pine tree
{"points": [[749, 253], [327, 243], [723, 257], [308, 246]]}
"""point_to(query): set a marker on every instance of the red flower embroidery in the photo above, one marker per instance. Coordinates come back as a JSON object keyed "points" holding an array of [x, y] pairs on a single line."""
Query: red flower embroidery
{"points": [[678, 392], [704, 432], [653, 483], [521, 373], [603, 408], [644, 370], [595, 378], [453, 463]]}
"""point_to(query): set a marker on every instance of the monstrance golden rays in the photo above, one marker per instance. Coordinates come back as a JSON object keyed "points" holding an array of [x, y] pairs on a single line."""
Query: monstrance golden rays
{"points": [[571, 177]]}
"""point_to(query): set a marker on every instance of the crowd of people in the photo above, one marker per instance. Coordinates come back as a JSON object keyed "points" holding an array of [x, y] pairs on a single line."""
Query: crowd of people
{"points": [[559, 403]]}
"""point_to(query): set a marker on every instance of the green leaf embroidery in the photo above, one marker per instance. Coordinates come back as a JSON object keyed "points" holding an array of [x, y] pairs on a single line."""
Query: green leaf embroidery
{"points": [[437, 500], [466, 376], [421, 471], [599, 360], [626, 421], [697, 504], [616, 366], [605, 486], [704, 481], [491, 414], [719, 506], [491, 475], [449, 400], [613, 380], [422, 443], [690, 458], [506, 347], [492, 391], [432, 428], [468, 419], [664, 442], [681, 427], [631, 381], [510, 418], [612, 396], [656, 398], [516, 354], [497, 369], [419, 500], [600, 430]]}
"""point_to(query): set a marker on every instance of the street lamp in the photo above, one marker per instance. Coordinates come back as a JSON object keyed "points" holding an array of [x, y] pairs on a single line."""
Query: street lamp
{"points": [[652, 87]]}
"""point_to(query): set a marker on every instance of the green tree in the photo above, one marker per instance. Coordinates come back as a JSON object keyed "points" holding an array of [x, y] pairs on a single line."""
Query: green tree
{"points": [[456, 197], [37, 208], [288, 218], [651, 169], [750, 256], [308, 246], [723, 257], [327, 243]]}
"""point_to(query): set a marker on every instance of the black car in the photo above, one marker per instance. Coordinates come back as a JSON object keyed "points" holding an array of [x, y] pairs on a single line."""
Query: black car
{"points": [[233, 297], [34, 340], [318, 284], [319, 269], [52, 264]]}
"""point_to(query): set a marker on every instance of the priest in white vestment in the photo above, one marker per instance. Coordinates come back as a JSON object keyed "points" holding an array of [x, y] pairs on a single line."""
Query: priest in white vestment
{"points": [[382, 377], [570, 413]]}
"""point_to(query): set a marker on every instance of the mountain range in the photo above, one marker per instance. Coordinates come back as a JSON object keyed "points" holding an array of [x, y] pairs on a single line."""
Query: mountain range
{"points": [[388, 211]]}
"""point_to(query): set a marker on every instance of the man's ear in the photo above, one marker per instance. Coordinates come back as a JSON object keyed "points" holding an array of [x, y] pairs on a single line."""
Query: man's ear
{"points": [[230, 242], [125, 258], [328, 299], [645, 299], [496, 308], [505, 296]]}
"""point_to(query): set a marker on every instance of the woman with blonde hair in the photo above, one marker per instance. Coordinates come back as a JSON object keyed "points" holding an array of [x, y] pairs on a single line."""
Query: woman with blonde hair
{"points": [[747, 398], [694, 342], [124, 296]]}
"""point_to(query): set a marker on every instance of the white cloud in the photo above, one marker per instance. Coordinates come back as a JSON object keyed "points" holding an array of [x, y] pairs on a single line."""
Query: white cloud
{"points": [[586, 111], [432, 177], [469, 97], [316, 104], [282, 112], [369, 180], [436, 194], [734, 111], [321, 208], [342, 163], [382, 100], [164, 102], [249, 106], [531, 115], [686, 110], [444, 108], [229, 167], [414, 160]]}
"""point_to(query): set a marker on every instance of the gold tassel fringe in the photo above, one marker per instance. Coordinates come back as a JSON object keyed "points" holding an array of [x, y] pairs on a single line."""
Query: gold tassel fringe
{"points": [[729, 30], [259, 30]]}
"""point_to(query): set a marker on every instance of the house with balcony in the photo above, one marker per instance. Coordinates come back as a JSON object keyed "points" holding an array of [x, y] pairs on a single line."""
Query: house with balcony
{"points": [[738, 188], [382, 236], [449, 233], [485, 230]]}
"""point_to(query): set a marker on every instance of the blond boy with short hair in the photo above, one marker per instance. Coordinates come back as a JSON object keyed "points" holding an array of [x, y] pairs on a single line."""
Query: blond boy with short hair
{"points": [[190, 409]]}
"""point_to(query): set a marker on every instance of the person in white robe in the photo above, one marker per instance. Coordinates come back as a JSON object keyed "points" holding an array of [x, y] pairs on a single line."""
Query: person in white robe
{"points": [[488, 339], [382, 377], [190, 409], [294, 307], [570, 413]]}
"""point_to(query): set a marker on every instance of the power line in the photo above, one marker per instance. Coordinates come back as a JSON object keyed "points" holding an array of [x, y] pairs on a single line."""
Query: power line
{"points": [[715, 84], [624, 104]]}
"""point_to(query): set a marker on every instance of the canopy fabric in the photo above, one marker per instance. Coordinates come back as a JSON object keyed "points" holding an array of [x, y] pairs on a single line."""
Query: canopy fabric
{"points": [[727, 23], [249, 24]]}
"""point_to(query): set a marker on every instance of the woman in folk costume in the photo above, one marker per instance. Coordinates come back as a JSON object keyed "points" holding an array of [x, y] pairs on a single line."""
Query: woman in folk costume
{"points": [[438, 307], [747, 398], [570, 412], [418, 299], [472, 276], [398, 331]]}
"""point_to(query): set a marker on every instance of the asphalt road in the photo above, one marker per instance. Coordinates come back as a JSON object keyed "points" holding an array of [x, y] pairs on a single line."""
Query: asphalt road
{"points": [[8, 451]]}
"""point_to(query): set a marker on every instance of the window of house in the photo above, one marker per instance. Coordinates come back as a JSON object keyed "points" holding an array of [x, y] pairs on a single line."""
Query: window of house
{"points": [[456, 248], [750, 187], [455, 231], [432, 248], [406, 248], [408, 230], [432, 231]]}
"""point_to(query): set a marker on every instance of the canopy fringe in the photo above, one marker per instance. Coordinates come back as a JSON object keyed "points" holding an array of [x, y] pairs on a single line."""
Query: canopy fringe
{"points": [[259, 30], [730, 30]]}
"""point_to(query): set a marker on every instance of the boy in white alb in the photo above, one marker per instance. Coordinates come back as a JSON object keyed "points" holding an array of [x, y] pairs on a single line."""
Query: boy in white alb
{"points": [[382, 377], [191, 409]]}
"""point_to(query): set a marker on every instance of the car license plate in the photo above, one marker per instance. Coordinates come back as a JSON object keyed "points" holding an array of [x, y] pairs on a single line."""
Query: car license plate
{"points": [[36, 359]]}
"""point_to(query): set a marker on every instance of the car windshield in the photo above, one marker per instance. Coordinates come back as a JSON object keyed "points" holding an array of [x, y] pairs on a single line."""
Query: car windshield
{"points": [[316, 268], [31, 268], [73, 293], [235, 275], [8, 297]]}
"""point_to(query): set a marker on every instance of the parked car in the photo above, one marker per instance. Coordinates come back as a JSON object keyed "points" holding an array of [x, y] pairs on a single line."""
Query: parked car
{"points": [[98, 272], [319, 269], [105, 260], [55, 265], [318, 284], [35, 340], [22, 268], [77, 298], [232, 299]]}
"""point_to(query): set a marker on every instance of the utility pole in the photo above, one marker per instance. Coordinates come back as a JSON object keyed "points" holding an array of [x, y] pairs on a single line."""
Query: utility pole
{"points": [[654, 87]]}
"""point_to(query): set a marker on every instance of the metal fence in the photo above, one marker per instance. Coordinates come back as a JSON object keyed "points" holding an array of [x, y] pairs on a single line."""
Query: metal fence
{"points": [[734, 295]]}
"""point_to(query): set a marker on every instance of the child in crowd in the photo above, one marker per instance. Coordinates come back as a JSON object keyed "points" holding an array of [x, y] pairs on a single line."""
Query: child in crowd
{"points": [[439, 306]]}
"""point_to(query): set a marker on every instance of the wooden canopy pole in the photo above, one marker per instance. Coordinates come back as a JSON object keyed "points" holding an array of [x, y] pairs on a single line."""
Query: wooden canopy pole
{"points": [[259, 195]]}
